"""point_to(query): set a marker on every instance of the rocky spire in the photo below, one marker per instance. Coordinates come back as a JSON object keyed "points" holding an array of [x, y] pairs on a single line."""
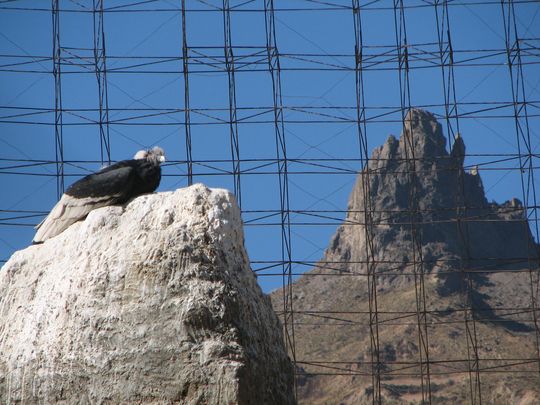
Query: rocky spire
{"points": [[417, 173], [422, 136], [458, 151]]}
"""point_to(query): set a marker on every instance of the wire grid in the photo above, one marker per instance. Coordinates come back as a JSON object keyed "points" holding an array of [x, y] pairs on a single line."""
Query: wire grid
{"points": [[256, 112]]}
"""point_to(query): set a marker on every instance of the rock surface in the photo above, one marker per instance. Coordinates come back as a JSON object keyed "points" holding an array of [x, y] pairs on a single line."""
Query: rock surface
{"points": [[153, 302], [476, 259], [433, 199]]}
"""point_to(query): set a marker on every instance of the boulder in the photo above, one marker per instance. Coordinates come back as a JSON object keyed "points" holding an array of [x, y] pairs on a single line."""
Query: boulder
{"points": [[152, 302]]}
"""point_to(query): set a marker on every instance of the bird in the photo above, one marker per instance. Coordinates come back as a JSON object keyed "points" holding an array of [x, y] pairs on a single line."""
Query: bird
{"points": [[114, 184]]}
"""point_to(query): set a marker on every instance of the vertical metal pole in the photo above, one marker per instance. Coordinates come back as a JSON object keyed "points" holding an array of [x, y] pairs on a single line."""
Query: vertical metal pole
{"points": [[371, 262], [281, 159], [187, 118], [233, 123], [526, 155], [57, 73], [446, 60], [100, 63], [415, 216]]}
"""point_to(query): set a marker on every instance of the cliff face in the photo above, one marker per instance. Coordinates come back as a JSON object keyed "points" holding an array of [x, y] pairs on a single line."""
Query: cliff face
{"points": [[415, 182], [154, 302], [416, 212]]}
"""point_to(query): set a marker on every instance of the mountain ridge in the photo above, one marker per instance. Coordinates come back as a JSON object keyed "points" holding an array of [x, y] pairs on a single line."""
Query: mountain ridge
{"points": [[422, 239]]}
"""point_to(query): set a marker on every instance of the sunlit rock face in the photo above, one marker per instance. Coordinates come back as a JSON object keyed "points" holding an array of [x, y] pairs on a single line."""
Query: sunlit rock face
{"points": [[154, 302]]}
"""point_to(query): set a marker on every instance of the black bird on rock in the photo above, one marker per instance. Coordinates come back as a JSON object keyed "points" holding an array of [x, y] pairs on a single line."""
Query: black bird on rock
{"points": [[115, 184]]}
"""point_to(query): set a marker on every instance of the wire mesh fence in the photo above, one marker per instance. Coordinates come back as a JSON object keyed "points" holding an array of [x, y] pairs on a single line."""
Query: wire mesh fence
{"points": [[283, 102]]}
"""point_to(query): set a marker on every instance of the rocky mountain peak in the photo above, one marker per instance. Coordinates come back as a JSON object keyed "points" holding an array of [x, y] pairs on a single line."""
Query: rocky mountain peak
{"points": [[458, 152], [422, 136], [421, 236], [414, 183]]}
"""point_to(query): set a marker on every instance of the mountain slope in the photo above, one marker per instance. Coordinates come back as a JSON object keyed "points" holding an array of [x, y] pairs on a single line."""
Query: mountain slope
{"points": [[424, 292]]}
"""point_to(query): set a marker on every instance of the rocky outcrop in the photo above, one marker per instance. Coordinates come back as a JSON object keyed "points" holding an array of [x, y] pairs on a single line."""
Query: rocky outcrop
{"points": [[414, 183], [153, 302]]}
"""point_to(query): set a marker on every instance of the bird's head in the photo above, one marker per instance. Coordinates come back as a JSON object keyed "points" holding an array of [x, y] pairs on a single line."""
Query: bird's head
{"points": [[155, 155]]}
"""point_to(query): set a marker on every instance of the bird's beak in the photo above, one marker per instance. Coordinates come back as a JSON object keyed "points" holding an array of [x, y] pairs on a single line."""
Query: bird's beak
{"points": [[162, 159]]}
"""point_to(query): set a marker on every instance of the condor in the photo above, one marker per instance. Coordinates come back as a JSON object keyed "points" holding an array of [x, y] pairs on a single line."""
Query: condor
{"points": [[115, 184]]}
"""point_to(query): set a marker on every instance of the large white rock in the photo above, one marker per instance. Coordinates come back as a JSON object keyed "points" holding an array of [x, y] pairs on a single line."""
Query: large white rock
{"points": [[154, 302]]}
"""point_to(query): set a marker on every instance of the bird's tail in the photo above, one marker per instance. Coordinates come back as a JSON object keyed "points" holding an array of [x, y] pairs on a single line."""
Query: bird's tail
{"points": [[55, 222]]}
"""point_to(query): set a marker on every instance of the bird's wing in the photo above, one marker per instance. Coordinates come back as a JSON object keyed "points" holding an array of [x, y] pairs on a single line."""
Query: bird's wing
{"points": [[115, 180], [94, 191]]}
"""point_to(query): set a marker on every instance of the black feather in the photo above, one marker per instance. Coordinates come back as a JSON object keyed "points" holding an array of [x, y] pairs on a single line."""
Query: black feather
{"points": [[121, 181], [115, 184]]}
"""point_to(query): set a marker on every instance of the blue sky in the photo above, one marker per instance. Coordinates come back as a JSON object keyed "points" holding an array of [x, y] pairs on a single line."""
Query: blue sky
{"points": [[316, 43]]}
